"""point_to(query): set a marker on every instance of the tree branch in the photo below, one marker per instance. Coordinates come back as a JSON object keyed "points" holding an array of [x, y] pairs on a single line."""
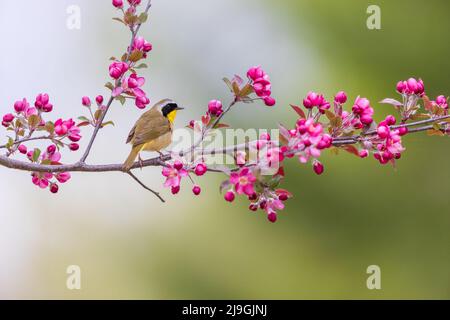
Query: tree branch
{"points": [[154, 162]]}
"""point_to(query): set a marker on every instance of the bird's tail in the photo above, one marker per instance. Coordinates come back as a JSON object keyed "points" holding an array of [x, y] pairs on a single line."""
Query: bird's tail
{"points": [[131, 158]]}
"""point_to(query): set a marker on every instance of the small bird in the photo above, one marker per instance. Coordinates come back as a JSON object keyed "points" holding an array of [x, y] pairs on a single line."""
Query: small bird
{"points": [[153, 131]]}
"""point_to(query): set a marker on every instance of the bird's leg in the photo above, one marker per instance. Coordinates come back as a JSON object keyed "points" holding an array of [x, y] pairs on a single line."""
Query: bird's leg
{"points": [[141, 162]]}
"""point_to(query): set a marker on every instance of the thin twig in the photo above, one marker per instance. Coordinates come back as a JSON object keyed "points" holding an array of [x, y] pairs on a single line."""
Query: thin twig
{"points": [[145, 187], [27, 140], [134, 33]]}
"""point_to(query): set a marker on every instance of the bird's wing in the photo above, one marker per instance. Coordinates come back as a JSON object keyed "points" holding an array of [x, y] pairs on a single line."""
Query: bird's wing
{"points": [[131, 134], [150, 127], [153, 112]]}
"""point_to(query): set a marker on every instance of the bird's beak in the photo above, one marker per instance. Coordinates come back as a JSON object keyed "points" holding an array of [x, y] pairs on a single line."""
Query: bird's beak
{"points": [[178, 109]]}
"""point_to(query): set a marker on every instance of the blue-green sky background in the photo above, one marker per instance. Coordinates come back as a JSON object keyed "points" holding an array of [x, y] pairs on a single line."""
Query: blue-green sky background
{"points": [[128, 245]]}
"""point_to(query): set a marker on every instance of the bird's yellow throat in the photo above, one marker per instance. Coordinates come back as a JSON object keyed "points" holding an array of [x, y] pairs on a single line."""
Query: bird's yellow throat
{"points": [[171, 116]]}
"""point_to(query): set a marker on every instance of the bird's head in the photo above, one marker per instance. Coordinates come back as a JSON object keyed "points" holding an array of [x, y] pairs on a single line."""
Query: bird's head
{"points": [[169, 110]]}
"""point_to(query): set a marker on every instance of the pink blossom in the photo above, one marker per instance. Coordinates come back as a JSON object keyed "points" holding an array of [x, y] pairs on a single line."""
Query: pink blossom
{"points": [[362, 112], [201, 169], [8, 118], [388, 142], [411, 86], [132, 87], [215, 108], [42, 103], [308, 139], [341, 97], [21, 106], [63, 177], [117, 69], [441, 101], [314, 99], [243, 182], [173, 176], [117, 3], [262, 87], [141, 44], [68, 127], [41, 179], [256, 73]]}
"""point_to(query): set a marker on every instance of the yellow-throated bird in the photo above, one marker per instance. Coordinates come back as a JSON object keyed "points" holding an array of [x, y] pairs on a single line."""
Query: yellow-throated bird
{"points": [[153, 130]]}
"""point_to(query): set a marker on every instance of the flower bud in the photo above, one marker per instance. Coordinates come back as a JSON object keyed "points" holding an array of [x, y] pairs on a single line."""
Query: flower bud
{"points": [[196, 190], [230, 196], [175, 190], [8, 118], [318, 168], [21, 106], [201, 169], [363, 153], [401, 87], [390, 120], [272, 217], [99, 100], [340, 97], [85, 101], [51, 149], [215, 107], [178, 165], [74, 146], [22, 149], [117, 3], [403, 131], [255, 73], [54, 188], [269, 101], [383, 132]]}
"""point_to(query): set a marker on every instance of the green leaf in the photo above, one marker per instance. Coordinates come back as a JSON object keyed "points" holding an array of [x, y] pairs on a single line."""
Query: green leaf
{"points": [[36, 154], [110, 86], [33, 121], [228, 83], [118, 19], [46, 162], [50, 127], [83, 118], [97, 114], [10, 143], [136, 55], [141, 66], [246, 90], [143, 17], [108, 123], [121, 99]]}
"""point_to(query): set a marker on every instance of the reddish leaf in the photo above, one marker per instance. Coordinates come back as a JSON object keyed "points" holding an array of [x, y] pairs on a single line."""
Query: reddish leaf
{"points": [[352, 150], [83, 124], [299, 111], [280, 172], [222, 125]]}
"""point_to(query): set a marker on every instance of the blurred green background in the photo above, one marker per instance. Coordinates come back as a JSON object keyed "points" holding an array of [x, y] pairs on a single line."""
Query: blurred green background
{"points": [[128, 245]]}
